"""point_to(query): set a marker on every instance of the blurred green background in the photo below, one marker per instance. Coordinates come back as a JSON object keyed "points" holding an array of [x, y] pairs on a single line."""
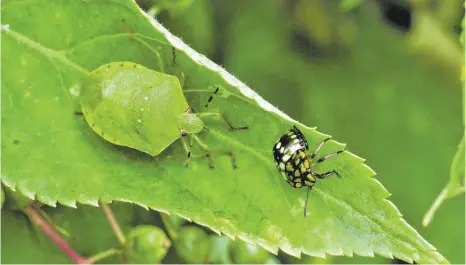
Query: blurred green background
{"points": [[382, 76]]}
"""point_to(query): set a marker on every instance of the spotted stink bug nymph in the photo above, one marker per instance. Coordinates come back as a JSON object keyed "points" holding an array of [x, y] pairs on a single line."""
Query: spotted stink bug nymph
{"points": [[294, 163], [130, 105]]}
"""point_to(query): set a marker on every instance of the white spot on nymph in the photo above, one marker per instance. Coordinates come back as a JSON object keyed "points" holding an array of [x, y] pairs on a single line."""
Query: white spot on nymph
{"points": [[282, 150], [282, 166], [139, 120], [294, 147], [285, 158], [293, 136], [279, 144]]}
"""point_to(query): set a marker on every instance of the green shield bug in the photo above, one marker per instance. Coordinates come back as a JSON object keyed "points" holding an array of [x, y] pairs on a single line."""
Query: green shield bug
{"points": [[130, 105]]}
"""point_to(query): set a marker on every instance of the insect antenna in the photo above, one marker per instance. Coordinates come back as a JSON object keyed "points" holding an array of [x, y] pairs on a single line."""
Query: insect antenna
{"points": [[211, 97]]}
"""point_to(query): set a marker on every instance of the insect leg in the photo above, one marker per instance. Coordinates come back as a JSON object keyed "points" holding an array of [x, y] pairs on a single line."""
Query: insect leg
{"points": [[318, 148], [322, 159], [307, 199], [206, 149], [222, 116], [187, 149], [232, 157], [328, 174], [228, 153]]}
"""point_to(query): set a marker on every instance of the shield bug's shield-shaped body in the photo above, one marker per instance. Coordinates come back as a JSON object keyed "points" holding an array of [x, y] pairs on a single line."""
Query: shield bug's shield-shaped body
{"points": [[130, 105], [291, 157]]}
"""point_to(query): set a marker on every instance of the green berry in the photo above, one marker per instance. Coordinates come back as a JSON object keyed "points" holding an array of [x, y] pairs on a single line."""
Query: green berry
{"points": [[243, 252], [219, 252], [146, 244], [192, 245]]}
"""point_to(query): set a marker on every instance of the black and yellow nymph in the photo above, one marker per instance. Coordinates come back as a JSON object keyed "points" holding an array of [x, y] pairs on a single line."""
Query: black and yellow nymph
{"points": [[294, 163]]}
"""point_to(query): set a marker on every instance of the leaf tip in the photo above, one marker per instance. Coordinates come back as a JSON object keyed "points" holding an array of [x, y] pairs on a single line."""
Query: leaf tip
{"points": [[46, 200], [29, 194], [11, 185], [69, 203]]}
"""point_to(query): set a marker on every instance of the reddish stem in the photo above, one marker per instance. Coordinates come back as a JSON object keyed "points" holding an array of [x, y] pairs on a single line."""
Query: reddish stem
{"points": [[50, 232], [113, 222]]}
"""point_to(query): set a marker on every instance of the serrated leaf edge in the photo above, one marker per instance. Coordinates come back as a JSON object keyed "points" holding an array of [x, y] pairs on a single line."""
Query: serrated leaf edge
{"points": [[246, 91]]}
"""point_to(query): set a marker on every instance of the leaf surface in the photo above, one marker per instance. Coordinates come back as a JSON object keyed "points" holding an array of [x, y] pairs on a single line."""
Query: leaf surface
{"points": [[49, 153]]}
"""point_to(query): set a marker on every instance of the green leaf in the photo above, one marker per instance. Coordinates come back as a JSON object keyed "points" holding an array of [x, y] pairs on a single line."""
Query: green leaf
{"points": [[46, 56], [454, 187], [347, 5]]}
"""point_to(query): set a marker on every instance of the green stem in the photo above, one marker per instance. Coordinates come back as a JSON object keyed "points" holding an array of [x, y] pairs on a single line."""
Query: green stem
{"points": [[49, 220], [102, 255], [446, 193]]}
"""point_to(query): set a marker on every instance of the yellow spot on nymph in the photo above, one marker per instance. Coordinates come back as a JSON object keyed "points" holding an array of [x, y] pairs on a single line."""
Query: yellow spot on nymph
{"points": [[302, 168], [289, 166], [306, 163], [302, 154], [311, 177], [298, 185]]}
